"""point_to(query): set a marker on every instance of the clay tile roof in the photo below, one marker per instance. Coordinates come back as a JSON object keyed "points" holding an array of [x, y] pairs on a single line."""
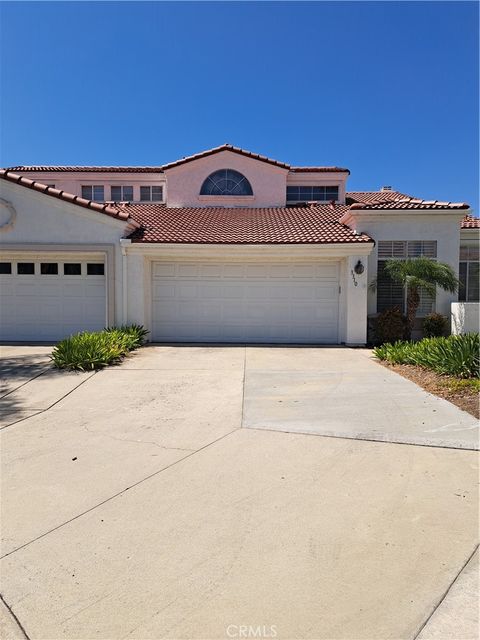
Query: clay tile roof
{"points": [[469, 222], [220, 225], [367, 197], [112, 210], [59, 168], [226, 147], [319, 170], [409, 203]]}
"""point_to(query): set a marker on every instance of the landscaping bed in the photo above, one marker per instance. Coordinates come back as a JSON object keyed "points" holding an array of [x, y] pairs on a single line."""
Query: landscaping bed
{"points": [[447, 367], [465, 394], [92, 350]]}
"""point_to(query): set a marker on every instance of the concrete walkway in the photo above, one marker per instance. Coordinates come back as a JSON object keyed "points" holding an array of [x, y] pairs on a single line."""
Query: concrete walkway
{"points": [[134, 504]]}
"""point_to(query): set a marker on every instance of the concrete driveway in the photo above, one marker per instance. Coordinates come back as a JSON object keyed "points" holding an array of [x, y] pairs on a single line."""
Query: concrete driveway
{"points": [[195, 492]]}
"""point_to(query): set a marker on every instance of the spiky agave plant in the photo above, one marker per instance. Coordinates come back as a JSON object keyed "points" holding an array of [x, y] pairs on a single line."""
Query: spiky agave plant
{"points": [[415, 274]]}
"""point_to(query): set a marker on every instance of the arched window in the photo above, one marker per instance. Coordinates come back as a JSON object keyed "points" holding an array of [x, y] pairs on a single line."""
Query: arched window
{"points": [[226, 182]]}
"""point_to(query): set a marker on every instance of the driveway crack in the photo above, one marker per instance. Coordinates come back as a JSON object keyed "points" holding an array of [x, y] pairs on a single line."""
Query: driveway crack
{"points": [[15, 618], [155, 444], [52, 405], [119, 493]]}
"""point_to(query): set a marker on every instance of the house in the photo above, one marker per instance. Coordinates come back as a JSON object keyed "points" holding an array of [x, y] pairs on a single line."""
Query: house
{"points": [[221, 246]]}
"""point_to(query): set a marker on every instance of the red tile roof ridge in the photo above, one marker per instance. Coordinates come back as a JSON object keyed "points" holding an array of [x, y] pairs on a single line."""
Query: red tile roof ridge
{"points": [[107, 209], [87, 168], [407, 203], [225, 147], [319, 169]]}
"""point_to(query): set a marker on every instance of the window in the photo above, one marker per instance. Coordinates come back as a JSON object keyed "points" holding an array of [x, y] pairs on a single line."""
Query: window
{"points": [[5, 267], [95, 269], [468, 290], [25, 268], [226, 182], [154, 194], [307, 194], [49, 268], [389, 293], [72, 269], [93, 192], [122, 194]]}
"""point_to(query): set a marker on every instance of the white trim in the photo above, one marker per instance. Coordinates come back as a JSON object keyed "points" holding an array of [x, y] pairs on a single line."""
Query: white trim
{"points": [[124, 243], [286, 252], [366, 215]]}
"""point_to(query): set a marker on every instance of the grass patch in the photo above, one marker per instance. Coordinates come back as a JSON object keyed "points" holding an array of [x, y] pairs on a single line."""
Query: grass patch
{"points": [[469, 385], [455, 355], [88, 350]]}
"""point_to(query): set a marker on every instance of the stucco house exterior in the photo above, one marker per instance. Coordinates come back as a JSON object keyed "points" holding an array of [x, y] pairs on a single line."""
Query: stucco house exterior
{"points": [[222, 246]]}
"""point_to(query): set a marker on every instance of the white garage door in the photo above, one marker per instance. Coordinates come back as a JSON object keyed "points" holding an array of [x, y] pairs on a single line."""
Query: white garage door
{"points": [[291, 303], [47, 299]]}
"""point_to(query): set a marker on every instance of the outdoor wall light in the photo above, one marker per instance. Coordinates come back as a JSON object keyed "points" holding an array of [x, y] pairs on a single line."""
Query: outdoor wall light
{"points": [[359, 268]]}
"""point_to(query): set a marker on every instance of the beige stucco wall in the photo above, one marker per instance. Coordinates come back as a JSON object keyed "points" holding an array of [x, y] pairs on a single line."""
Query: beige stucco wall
{"points": [[442, 227]]}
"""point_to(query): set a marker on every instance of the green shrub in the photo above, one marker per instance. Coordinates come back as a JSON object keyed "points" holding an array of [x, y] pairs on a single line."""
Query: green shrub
{"points": [[455, 355], [389, 326], [87, 351], [434, 325], [133, 334]]}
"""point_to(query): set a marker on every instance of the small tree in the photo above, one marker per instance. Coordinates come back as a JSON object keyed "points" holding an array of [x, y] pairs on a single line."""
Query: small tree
{"points": [[417, 273]]}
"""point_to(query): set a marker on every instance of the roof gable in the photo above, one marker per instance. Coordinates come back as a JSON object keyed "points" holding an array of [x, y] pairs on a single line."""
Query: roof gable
{"points": [[226, 147]]}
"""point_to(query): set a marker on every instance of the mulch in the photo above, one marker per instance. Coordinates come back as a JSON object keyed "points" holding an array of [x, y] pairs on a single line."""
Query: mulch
{"points": [[466, 398]]}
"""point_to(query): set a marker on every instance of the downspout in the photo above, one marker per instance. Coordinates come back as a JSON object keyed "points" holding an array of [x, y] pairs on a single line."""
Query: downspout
{"points": [[124, 243]]}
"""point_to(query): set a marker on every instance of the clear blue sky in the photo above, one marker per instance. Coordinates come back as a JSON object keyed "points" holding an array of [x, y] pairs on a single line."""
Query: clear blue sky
{"points": [[387, 89]]}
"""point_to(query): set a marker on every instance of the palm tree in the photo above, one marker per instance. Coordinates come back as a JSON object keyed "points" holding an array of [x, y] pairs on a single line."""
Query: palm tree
{"points": [[419, 273]]}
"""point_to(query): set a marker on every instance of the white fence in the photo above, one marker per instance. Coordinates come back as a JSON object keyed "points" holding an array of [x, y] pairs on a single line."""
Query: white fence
{"points": [[465, 317]]}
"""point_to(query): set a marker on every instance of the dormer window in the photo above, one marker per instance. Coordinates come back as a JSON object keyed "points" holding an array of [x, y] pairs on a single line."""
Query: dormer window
{"points": [[226, 182]]}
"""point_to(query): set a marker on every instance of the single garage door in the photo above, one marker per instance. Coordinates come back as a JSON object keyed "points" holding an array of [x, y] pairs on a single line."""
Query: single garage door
{"points": [[228, 302], [49, 298]]}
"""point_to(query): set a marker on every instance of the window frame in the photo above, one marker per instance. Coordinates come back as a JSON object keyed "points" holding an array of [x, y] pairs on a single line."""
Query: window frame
{"points": [[150, 191], [464, 290], [92, 188], [234, 175], [330, 192], [122, 187], [401, 250]]}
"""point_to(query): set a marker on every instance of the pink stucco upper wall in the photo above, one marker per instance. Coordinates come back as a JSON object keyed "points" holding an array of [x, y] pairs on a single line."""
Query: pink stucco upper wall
{"points": [[72, 181], [182, 184], [185, 181]]}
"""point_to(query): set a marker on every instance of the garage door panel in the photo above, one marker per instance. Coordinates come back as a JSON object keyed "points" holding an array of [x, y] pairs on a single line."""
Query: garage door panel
{"points": [[233, 271], [49, 307], [187, 270], [242, 302], [164, 269]]}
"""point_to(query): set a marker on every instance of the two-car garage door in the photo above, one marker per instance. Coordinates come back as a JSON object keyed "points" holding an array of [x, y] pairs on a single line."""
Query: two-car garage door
{"points": [[243, 302], [50, 297]]}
